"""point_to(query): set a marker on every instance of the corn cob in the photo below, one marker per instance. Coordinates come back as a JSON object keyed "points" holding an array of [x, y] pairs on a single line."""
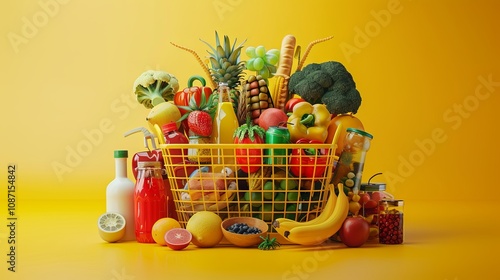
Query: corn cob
{"points": [[257, 95]]}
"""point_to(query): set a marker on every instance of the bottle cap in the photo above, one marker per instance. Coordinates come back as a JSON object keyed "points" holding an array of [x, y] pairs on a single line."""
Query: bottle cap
{"points": [[121, 154], [372, 187], [392, 202], [169, 127], [360, 132]]}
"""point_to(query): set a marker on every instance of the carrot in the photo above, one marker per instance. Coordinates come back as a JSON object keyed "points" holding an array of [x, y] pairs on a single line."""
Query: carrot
{"points": [[308, 49], [286, 56]]}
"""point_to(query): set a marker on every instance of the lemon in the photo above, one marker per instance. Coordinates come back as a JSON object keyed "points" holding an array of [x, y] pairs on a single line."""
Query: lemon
{"points": [[111, 226], [205, 228], [160, 227]]}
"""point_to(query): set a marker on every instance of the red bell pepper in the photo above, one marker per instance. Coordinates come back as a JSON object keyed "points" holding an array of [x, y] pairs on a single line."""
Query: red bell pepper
{"points": [[182, 98], [310, 162]]}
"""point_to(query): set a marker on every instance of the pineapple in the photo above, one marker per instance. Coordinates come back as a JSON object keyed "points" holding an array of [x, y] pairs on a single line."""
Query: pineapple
{"points": [[226, 67]]}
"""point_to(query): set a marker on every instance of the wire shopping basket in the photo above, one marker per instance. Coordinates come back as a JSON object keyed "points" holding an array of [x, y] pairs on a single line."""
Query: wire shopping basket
{"points": [[237, 180]]}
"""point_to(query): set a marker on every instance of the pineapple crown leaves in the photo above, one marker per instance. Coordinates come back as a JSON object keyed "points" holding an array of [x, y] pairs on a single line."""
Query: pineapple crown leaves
{"points": [[205, 105], [224, 60], [231, 53], [249, 129]]}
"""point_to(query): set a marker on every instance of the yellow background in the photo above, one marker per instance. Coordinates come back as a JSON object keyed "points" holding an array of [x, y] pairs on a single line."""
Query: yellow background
{"points": [[68, 68]]}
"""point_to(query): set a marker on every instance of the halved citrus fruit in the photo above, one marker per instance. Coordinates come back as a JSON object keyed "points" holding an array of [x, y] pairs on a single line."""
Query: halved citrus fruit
{"points": [[178, 238], [111, 226], [160, 228]]}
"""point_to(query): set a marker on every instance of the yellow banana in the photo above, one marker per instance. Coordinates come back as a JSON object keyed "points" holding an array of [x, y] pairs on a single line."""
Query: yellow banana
{"points": [[223, 201], [283, 224], [318, 233], [255, 179]]}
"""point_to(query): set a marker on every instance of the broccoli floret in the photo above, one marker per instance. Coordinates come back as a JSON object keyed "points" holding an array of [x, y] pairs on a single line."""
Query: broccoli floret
{"points": [[329, 83], [322, 78], [348, 102], [295, 79], [311, 91], [154, 87]]}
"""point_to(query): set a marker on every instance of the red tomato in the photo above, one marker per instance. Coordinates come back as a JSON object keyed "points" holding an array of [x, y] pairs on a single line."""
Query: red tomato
{"points": [[354, 231], [249, 160], [291, 103], [364, 198], [370, 204], [178, 238], [377, 196]]}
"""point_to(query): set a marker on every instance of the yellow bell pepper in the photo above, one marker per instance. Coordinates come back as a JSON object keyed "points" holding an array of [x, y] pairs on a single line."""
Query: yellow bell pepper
{"points": [[309, 121]]}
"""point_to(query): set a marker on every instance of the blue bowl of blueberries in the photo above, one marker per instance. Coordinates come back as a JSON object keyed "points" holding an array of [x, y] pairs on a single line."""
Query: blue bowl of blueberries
{"points": [[244, 231]]}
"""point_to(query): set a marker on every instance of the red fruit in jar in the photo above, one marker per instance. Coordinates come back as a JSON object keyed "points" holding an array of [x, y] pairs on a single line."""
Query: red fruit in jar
{"points": [[364, 198], [354, 231], [377, 196], [178, 238], [390, 228], [272, 117], [370, 204]]}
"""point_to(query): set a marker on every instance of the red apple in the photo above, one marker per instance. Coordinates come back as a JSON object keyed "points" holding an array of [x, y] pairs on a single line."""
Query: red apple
{"points": [[354, 231], [272, 117]]}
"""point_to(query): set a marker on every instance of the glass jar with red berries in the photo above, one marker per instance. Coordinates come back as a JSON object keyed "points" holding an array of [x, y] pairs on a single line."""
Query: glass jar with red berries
{"points": [[390, 221]]}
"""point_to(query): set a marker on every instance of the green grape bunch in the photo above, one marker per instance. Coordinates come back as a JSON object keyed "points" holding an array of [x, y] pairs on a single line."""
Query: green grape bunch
{"points": [[263, 62]]}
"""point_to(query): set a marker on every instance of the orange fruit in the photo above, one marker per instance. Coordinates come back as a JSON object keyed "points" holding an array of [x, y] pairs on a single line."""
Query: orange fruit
{"points": [[347, 121], [160, 227]]}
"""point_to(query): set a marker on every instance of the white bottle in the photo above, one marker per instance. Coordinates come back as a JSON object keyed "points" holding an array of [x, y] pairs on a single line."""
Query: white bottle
{"points": [[120, 194]]}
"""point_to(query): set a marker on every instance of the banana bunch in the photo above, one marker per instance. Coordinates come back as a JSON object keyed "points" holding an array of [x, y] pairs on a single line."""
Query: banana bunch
{"points": [[213, 201], [318, 230], [256, 179], [255, 182]]}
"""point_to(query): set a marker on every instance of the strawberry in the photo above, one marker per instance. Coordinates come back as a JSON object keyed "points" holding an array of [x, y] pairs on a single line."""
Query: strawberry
{"points": [[200, 123], [198, 116]]}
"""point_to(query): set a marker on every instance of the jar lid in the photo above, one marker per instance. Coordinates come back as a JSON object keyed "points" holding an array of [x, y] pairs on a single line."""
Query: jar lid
{"points": [[372, 187], [120, 154], [393, 202], [359, 131], [153, 164]]}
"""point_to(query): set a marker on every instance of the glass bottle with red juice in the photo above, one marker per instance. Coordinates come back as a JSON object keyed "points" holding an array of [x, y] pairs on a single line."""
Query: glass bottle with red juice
{"points": [[150, 202]]}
